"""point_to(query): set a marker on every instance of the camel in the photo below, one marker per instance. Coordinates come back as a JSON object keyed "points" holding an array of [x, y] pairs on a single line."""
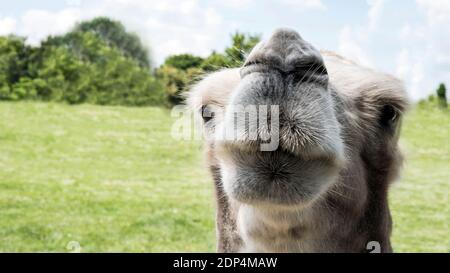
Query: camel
{"points": [[324, 186]]}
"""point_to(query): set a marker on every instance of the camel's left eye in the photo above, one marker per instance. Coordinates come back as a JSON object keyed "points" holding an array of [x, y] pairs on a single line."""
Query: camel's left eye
{"points": [[389, 116], [207, 113]]}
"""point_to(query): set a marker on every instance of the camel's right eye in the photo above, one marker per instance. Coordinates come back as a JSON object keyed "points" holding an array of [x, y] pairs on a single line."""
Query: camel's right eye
{"points": [[207, 113], [389, 116]]}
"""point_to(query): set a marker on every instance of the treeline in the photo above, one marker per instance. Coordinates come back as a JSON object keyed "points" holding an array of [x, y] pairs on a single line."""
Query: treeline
{"points": [[439, 99], [99, 62], [179, 71]]}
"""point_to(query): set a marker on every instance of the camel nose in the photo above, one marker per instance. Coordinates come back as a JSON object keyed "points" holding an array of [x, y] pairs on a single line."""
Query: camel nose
{"points": [[287, 52]]}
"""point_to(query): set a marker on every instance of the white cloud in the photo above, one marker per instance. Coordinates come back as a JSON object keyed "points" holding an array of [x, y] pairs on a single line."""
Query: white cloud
{"points": [[184, 7], [173, 27], [37, 24], [350, 47], [412, 71], [424, 60], [437, 11], [7, 25], [235, 4], [298, 5], [304, 5], [212, 17], [353, 39], [375, 12]]}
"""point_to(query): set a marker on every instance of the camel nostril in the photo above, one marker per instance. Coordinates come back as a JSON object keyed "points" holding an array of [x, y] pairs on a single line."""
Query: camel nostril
{"points": [[286, 51]]}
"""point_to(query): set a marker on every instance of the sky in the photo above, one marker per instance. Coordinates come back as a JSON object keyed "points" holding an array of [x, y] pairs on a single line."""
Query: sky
{"points": [[407, 38]]}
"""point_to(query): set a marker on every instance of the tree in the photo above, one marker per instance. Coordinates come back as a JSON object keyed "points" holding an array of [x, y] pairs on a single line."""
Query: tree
{"points": [[176, 81], [177, 73], [180, 71], [241, 46], [215, 61], [234, 55], [115, 35], [98, 62], [441, 95], [77, 67], [183, 61], [14, 61]]}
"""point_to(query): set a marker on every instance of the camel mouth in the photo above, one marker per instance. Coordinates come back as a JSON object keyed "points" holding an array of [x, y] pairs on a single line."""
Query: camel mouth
{"points": [[277, 178]]}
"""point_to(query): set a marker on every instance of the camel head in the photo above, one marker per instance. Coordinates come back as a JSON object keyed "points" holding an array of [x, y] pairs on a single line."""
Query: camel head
{"points": [[292, 129]]}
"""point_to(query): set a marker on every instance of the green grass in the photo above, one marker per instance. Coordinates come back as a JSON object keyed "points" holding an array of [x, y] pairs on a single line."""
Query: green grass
{"points": [[420, 201], [112, 179]]}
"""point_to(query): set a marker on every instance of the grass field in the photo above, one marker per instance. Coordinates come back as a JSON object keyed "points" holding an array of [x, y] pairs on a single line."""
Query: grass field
{"points": [[112, 179]]}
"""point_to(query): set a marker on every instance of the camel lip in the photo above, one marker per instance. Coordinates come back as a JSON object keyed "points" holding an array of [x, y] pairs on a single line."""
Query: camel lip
{"points": [[279, 177]]}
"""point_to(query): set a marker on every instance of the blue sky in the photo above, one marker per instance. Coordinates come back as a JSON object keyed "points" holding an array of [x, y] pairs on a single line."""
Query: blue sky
{"points": [[407, 38]]}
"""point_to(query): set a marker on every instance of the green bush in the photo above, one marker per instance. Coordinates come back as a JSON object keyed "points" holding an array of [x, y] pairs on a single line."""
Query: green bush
{"points": [[88, 65], [215, 61], [114, 34], [241, 45], [441, 96], [14, 60], [176, 81], [179, 71], [184, 61], [91, 71]]}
